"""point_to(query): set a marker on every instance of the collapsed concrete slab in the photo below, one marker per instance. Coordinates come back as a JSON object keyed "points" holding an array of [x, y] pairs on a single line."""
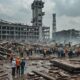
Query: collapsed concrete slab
{"points": [[65, 65]]}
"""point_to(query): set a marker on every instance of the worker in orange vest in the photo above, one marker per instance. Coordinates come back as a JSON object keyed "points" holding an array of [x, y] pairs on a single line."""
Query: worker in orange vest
{"points": [[18, 65]]}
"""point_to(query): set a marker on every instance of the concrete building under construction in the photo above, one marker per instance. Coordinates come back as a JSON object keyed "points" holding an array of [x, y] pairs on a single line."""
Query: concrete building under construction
{"points": [[12, 31], [15, 31]]}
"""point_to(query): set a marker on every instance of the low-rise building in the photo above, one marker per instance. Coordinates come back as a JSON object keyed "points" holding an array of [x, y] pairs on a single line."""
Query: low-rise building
{"points": [[12, 31]]}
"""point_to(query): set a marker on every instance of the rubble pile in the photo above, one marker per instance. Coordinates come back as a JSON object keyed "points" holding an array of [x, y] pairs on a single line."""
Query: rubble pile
{"points": [[52, 72], [33, 76], [59, 73], [4, 73], [38, 66]]}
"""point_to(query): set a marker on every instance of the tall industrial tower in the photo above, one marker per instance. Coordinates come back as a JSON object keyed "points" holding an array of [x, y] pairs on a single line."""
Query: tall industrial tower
{"points": [[54, 25], [37, 13]]}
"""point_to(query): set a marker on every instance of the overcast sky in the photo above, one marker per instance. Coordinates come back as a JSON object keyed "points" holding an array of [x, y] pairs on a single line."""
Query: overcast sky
{"points": [[68, 12]]}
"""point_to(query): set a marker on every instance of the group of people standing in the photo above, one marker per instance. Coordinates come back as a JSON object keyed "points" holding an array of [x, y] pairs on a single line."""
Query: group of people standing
{"points": [[65, 52], [18, 66]]}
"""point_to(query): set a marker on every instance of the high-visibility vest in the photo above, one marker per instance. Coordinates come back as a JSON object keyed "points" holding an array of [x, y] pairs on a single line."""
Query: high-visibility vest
{"points": [[17, 62]]}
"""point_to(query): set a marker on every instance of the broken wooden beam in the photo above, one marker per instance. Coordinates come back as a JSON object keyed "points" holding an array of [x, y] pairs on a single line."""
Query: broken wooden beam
{"points": [[44, 75]]}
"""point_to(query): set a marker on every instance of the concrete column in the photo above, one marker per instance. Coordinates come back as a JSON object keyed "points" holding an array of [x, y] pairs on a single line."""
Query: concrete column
{"points": [[40, 33], [1, 32], [14, 33]]}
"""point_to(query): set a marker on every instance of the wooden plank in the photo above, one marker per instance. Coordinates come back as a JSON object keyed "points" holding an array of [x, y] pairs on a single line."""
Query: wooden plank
{"points": [[3, 74], [44, 75]]}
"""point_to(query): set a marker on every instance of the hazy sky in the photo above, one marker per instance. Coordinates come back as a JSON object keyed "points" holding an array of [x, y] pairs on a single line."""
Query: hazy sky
{"points": [[68, 12]]}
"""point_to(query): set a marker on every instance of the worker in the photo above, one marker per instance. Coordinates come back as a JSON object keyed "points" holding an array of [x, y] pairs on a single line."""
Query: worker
{"points": [[18, 65], [13, 64], [22, 66]]}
